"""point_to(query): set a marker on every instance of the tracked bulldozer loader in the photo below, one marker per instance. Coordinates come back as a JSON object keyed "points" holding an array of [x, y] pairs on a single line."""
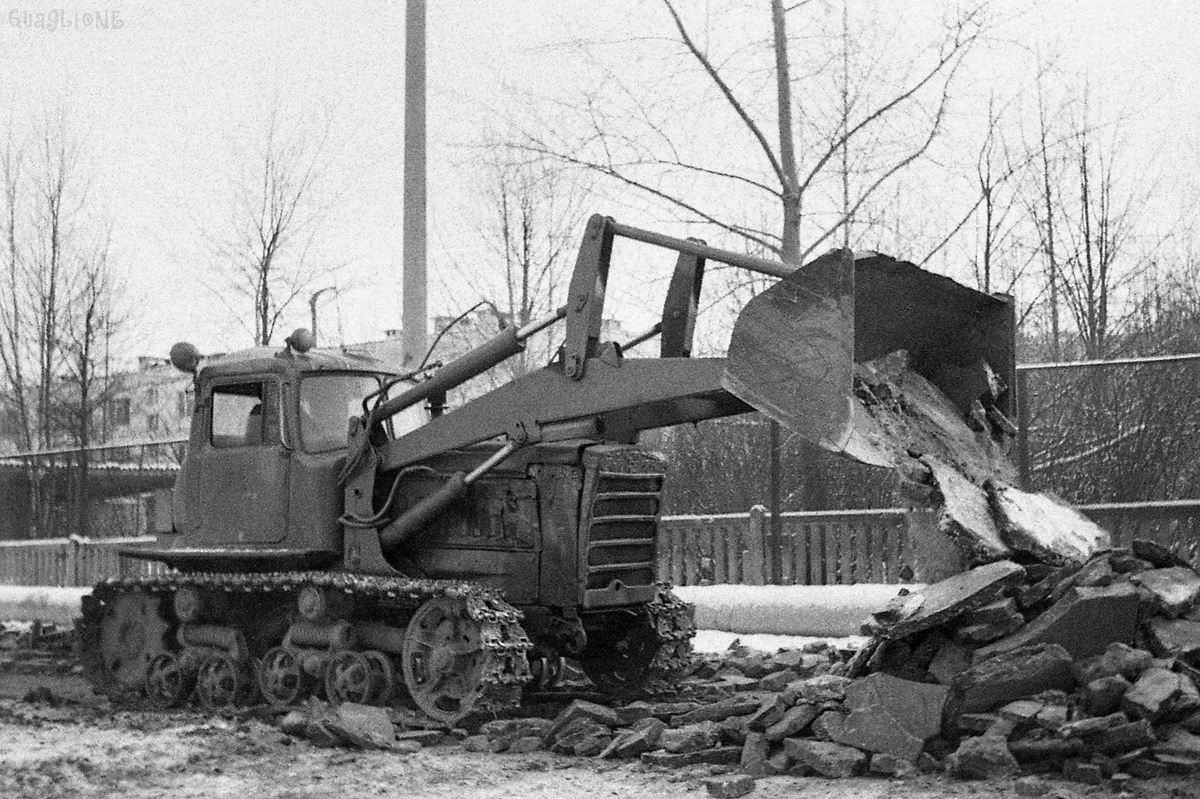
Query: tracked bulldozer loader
{"points": [[337, 531]]}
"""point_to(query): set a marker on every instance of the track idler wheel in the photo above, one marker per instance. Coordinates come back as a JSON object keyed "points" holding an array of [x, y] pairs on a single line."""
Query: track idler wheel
{"points": [[169, 682], [444, 660], [281, 677], [221, 682], [132, 634]]}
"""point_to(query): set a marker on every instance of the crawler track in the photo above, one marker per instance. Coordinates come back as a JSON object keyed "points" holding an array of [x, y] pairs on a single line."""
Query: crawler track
{"points": [[259, 599]]}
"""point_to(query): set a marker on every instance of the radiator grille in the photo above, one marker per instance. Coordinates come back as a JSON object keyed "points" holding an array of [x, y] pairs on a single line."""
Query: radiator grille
{"points": [[622, 527]]}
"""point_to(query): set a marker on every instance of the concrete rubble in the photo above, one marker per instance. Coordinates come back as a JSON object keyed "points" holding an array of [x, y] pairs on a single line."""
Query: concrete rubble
{"points": [[1097, 682], [952, 454], [1085, 673]]}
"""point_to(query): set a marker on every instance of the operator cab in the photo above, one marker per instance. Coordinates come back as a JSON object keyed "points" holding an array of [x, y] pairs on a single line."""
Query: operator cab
{"points": [[259, 487]]}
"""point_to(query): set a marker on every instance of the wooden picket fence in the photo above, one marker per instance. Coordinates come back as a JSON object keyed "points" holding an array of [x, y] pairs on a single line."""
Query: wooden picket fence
{"points": [[1173, 523], [72, 561], [815, 548], [871, 546]]}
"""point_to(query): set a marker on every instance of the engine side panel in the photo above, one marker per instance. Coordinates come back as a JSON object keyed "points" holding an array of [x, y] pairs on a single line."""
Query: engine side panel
{"points": [[493, 537]]}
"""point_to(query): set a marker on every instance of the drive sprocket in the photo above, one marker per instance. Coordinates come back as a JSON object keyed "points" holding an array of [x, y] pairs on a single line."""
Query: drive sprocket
{"points": [[636, 646]]}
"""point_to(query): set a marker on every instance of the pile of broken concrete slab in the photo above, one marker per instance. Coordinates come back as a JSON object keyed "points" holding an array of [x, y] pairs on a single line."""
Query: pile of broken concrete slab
{"points": [[1052, 649], [1001, 670], [1084, 668]]}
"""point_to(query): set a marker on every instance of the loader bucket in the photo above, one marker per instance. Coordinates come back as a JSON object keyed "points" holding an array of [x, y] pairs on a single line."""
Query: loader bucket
{"points": [[794, 347]]}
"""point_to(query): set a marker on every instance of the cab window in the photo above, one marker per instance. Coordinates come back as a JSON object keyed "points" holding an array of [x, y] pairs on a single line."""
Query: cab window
{"points": [[327, 404], [245, 414]]}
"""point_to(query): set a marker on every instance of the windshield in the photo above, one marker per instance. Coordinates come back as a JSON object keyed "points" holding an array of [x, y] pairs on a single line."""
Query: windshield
{"points": [[327, 404]]}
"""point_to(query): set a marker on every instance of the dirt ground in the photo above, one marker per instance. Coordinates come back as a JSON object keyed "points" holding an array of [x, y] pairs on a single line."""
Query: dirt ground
{"points": [[83, 748]]}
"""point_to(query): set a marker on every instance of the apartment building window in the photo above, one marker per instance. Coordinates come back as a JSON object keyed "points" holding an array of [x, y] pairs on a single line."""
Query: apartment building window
{"points": [[118, 412], [184, 404]]}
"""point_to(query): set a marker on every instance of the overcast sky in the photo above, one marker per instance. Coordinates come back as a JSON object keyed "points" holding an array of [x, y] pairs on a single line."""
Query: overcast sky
{"points": [[165, 100]]}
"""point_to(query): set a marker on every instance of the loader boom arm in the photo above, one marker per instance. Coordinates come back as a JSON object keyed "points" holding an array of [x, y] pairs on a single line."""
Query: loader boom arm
{"points": [[617, 399], [792, 356]]}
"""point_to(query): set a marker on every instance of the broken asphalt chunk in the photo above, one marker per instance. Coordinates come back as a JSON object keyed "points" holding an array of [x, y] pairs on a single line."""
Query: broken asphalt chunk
{"points": [[964, 515], [1159, 556], [794, 721], [633, 742], [1154, 694], [690, 738], [890, 715], [1044, 526], [982, 757], [363, 726], [717, 756], [1011, 675], [730, 786], [1175, 589], [580, 709], [1178, 638], [952, 597], [828, 759], [1084, 622], [718, 711]]}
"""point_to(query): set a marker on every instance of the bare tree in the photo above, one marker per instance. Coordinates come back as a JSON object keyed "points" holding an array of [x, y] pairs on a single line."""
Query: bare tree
{"points": [[59, 194], [92, 320], [531, 214], [1043, 216], [645, 148], [264, 252], [1095, 240], [56, 306], [13, 309]]}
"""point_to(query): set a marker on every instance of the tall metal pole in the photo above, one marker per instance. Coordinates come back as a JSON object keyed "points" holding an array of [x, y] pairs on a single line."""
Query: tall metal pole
{"points": [[775, 538], [413, 321], [1023, 465]]}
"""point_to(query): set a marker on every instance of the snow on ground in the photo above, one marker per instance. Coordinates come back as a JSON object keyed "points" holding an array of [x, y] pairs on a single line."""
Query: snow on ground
{"points": [[825, 611], [44, 603], [818, 612], [716, 641]]}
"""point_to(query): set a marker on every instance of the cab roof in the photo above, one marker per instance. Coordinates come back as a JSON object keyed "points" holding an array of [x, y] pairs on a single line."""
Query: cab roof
{"points": [[286, 361]]}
